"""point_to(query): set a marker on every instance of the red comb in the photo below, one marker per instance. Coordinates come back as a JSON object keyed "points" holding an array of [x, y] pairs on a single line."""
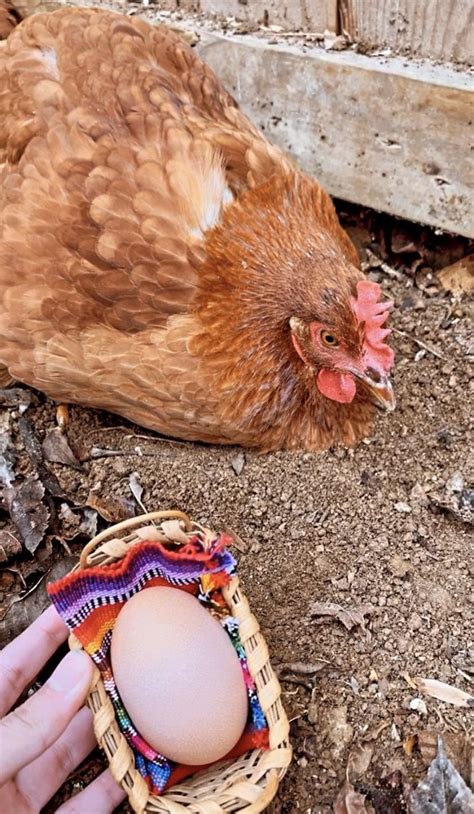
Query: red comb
{"points": [[374, 314]]}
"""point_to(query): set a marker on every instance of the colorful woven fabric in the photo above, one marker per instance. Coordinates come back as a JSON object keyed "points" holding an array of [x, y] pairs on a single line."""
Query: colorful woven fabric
{"points": [[90, 600]]}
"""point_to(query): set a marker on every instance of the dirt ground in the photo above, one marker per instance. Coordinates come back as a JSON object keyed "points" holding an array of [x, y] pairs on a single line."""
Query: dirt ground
{"points": [[385, 529], [386, 525]]}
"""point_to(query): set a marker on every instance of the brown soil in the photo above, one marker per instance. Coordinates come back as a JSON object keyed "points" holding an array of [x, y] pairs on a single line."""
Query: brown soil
{"points": [[371, 525], [381, 524]]}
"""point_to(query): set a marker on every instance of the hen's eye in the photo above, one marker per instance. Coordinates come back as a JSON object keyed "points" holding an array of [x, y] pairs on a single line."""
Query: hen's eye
{"points": [[329, 339]]}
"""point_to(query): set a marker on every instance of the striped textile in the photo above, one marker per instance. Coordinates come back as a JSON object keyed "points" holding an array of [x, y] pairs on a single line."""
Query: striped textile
{"points": [[90, 600]]}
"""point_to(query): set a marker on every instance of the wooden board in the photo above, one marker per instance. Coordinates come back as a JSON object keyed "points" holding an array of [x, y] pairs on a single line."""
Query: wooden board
{"points": [[384, 133], [309, 15], [439, 29]]}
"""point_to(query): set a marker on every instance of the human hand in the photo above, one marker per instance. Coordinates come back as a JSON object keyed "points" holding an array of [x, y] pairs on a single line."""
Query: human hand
{"points": [[45, 738]]}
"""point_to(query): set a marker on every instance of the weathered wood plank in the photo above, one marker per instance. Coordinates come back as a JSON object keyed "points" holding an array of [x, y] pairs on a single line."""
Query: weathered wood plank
{"points": [[439, 29], [310, 15], [383, 133]]}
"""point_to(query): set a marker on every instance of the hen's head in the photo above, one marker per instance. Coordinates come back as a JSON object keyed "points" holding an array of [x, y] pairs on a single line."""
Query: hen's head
{"points": [[346, 345], [293, 336]]}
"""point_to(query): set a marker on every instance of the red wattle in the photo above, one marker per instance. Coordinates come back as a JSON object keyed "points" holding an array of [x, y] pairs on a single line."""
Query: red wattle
{"points": [[337, 386]]}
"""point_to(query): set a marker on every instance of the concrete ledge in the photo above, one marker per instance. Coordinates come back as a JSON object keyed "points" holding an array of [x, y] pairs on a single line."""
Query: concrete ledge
{"points": [[386, 133]]}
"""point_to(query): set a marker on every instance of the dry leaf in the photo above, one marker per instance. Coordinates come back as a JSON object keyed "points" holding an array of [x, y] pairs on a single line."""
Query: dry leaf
{"points": [[302, 668], [56, 448], [410, 743], [390, 796], [136, 488], [17, 397], [399, 567], [88, 525], [35, 454], [372, 734], [7, 451], [349, 617], [112, 509], [22, 613], [349, 801], [238, 462], [459, 277], [458, 746], [444, 692], [79, 523], [337, 730], [359, 760], [459, 505], [29, 515], [443, 791], [9, 545], [335, 42]]}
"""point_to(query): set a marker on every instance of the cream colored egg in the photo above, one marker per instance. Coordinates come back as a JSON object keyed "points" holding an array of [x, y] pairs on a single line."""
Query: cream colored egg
{"points": [[179, 676]]}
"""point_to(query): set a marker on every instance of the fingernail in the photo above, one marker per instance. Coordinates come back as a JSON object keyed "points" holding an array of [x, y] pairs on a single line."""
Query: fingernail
{"points": [[73, 670]]}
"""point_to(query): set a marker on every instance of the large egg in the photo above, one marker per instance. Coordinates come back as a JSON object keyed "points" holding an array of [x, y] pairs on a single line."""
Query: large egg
{"points": [[179, 676]]}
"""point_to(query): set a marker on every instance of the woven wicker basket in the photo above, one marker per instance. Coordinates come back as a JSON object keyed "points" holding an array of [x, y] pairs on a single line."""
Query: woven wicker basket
{"points": [[246, 784]]}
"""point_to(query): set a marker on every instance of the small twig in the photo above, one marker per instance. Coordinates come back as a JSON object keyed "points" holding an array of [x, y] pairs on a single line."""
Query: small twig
{"points": [[465, 675], [420, 344], [237, 541], [160, 440], [432, 556], [137, 490], [391, 272], [302, 668], [304, 35], [98, 452], [302, 682], [324, 516], [156, 439], [30, 591], [376, 263], [15, 571]]}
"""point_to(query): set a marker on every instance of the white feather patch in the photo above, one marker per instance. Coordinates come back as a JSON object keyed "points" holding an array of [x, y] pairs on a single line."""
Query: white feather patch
{"points": [[203, 192], [49, 57]]}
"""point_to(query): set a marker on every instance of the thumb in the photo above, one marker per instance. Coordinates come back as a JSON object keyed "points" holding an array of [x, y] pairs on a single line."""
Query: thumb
{"points": [[29, 730]]}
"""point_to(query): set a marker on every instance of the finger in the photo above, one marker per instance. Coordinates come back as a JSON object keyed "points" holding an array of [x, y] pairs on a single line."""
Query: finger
{"points": [[102, 797], [31, 728], [38, 782], [23, 658]]}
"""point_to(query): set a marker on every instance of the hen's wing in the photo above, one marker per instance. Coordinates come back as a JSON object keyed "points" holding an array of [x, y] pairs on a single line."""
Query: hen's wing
{"points": [[121, 149]]}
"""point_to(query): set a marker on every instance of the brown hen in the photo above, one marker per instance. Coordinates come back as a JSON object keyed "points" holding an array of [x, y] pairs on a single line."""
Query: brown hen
{"points": [[161, 260]]}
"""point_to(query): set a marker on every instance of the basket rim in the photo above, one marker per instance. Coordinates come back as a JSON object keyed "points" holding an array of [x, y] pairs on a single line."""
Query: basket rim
{"points": [[130, 779]]}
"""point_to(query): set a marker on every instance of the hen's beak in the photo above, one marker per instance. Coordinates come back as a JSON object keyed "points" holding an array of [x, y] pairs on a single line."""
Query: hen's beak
{"points": [[380, 392]]}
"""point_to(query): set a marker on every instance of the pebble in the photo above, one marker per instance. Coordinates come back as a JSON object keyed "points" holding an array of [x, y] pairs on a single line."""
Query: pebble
{"points": [[403, 508], [455, 483], [415, 621], [418, 705], [403, 645]]}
